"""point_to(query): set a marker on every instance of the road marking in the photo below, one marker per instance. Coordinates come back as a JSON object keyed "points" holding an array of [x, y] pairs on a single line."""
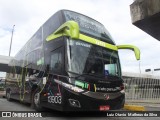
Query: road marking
{"points": [[134, 107]]}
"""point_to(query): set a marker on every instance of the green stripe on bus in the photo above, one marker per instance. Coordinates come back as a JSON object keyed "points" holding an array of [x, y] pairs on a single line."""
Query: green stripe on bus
{"points": [[71, 29], [97, 42], [40, 61]]}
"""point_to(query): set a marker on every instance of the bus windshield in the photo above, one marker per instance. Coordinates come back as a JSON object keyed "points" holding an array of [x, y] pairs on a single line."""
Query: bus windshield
{"points": [[85, 58]]}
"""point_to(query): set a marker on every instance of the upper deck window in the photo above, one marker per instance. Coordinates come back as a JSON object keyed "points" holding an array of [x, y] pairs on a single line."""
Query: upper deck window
{"points": [[89, 26]]}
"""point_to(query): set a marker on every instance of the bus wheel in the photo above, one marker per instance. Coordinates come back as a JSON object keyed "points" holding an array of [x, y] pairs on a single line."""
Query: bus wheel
{"points": [[36, 101], [8, 95]]}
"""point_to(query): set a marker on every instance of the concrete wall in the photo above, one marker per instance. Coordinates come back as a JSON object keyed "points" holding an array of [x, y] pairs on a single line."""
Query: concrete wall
{"points": [[141, 9], [145, 14]]}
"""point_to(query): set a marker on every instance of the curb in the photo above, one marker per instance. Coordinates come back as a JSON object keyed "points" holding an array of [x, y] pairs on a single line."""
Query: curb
{"points": [[157, 102], [134, 107]]}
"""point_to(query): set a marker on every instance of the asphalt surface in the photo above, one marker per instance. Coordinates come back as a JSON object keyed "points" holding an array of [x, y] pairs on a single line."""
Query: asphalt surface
{"points": [[17, 106]]}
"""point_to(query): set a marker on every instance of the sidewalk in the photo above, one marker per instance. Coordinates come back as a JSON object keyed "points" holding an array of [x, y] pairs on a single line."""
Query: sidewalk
{"points": [[142, 106], [142, 103]]}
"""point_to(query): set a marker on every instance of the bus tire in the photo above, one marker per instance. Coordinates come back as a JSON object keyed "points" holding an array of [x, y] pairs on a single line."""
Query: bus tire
{"points": [[8, 95], [35, 103]]}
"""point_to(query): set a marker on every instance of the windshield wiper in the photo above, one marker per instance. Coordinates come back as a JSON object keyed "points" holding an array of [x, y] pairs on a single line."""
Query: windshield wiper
{"points": [[110, 75], [91, 74], [81, 74]]}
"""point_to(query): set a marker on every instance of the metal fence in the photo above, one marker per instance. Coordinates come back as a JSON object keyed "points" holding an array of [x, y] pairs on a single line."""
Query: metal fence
{"points": [[142, 89]]}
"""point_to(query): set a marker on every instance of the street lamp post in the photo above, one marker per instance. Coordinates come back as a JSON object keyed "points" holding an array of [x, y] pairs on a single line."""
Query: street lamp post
{"points": [[11, 40], [140, 67]]}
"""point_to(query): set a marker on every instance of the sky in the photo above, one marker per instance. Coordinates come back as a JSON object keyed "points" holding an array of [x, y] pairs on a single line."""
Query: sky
{"points": [[29, 15]]}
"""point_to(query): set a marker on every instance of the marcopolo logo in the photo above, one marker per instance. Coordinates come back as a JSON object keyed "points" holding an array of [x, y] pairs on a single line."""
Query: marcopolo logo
{"points": [[106, 97]]}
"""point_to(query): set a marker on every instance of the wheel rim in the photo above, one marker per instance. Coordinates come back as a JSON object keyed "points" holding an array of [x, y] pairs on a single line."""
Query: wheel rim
{"points": [[36, 99]]}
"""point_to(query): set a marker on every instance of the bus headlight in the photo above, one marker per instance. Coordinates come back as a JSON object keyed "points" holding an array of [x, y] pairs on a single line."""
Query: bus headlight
{"points": [[71, 87], [122, 88]]}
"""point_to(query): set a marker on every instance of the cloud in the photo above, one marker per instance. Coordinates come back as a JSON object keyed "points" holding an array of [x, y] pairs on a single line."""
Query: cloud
{"points": [[3, 32]]}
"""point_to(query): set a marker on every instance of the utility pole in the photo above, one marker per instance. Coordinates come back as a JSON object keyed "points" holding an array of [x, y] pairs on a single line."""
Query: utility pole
{"points": [[140, 67], [11, 40]]}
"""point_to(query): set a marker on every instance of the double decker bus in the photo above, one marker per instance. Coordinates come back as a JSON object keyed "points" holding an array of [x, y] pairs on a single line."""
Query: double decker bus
{"points": [[70, 64]]}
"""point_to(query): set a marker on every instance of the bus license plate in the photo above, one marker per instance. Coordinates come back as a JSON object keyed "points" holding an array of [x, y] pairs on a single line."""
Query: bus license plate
{"points": [[104, 108]]}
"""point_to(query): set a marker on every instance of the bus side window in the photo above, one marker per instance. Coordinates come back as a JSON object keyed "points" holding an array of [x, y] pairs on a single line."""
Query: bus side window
{"points": [[56, 61]]}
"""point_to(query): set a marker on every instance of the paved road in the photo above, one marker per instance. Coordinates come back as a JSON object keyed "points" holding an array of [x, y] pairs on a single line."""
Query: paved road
{"points": [[17, 106]]}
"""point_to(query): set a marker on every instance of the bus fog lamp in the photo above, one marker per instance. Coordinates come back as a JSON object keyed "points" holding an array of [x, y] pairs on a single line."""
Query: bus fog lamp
{"points": [[74, 103]]}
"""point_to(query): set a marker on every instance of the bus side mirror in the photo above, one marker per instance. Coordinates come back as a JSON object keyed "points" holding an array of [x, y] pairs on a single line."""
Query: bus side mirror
{"points": [[131, 47], [47, 68]]}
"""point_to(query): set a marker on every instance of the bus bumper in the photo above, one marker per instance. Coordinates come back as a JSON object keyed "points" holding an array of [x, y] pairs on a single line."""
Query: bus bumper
{"points": [[82, 102]]}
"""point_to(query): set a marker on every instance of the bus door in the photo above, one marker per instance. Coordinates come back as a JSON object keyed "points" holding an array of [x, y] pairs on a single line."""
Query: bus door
{"points": [[55, 69]]}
